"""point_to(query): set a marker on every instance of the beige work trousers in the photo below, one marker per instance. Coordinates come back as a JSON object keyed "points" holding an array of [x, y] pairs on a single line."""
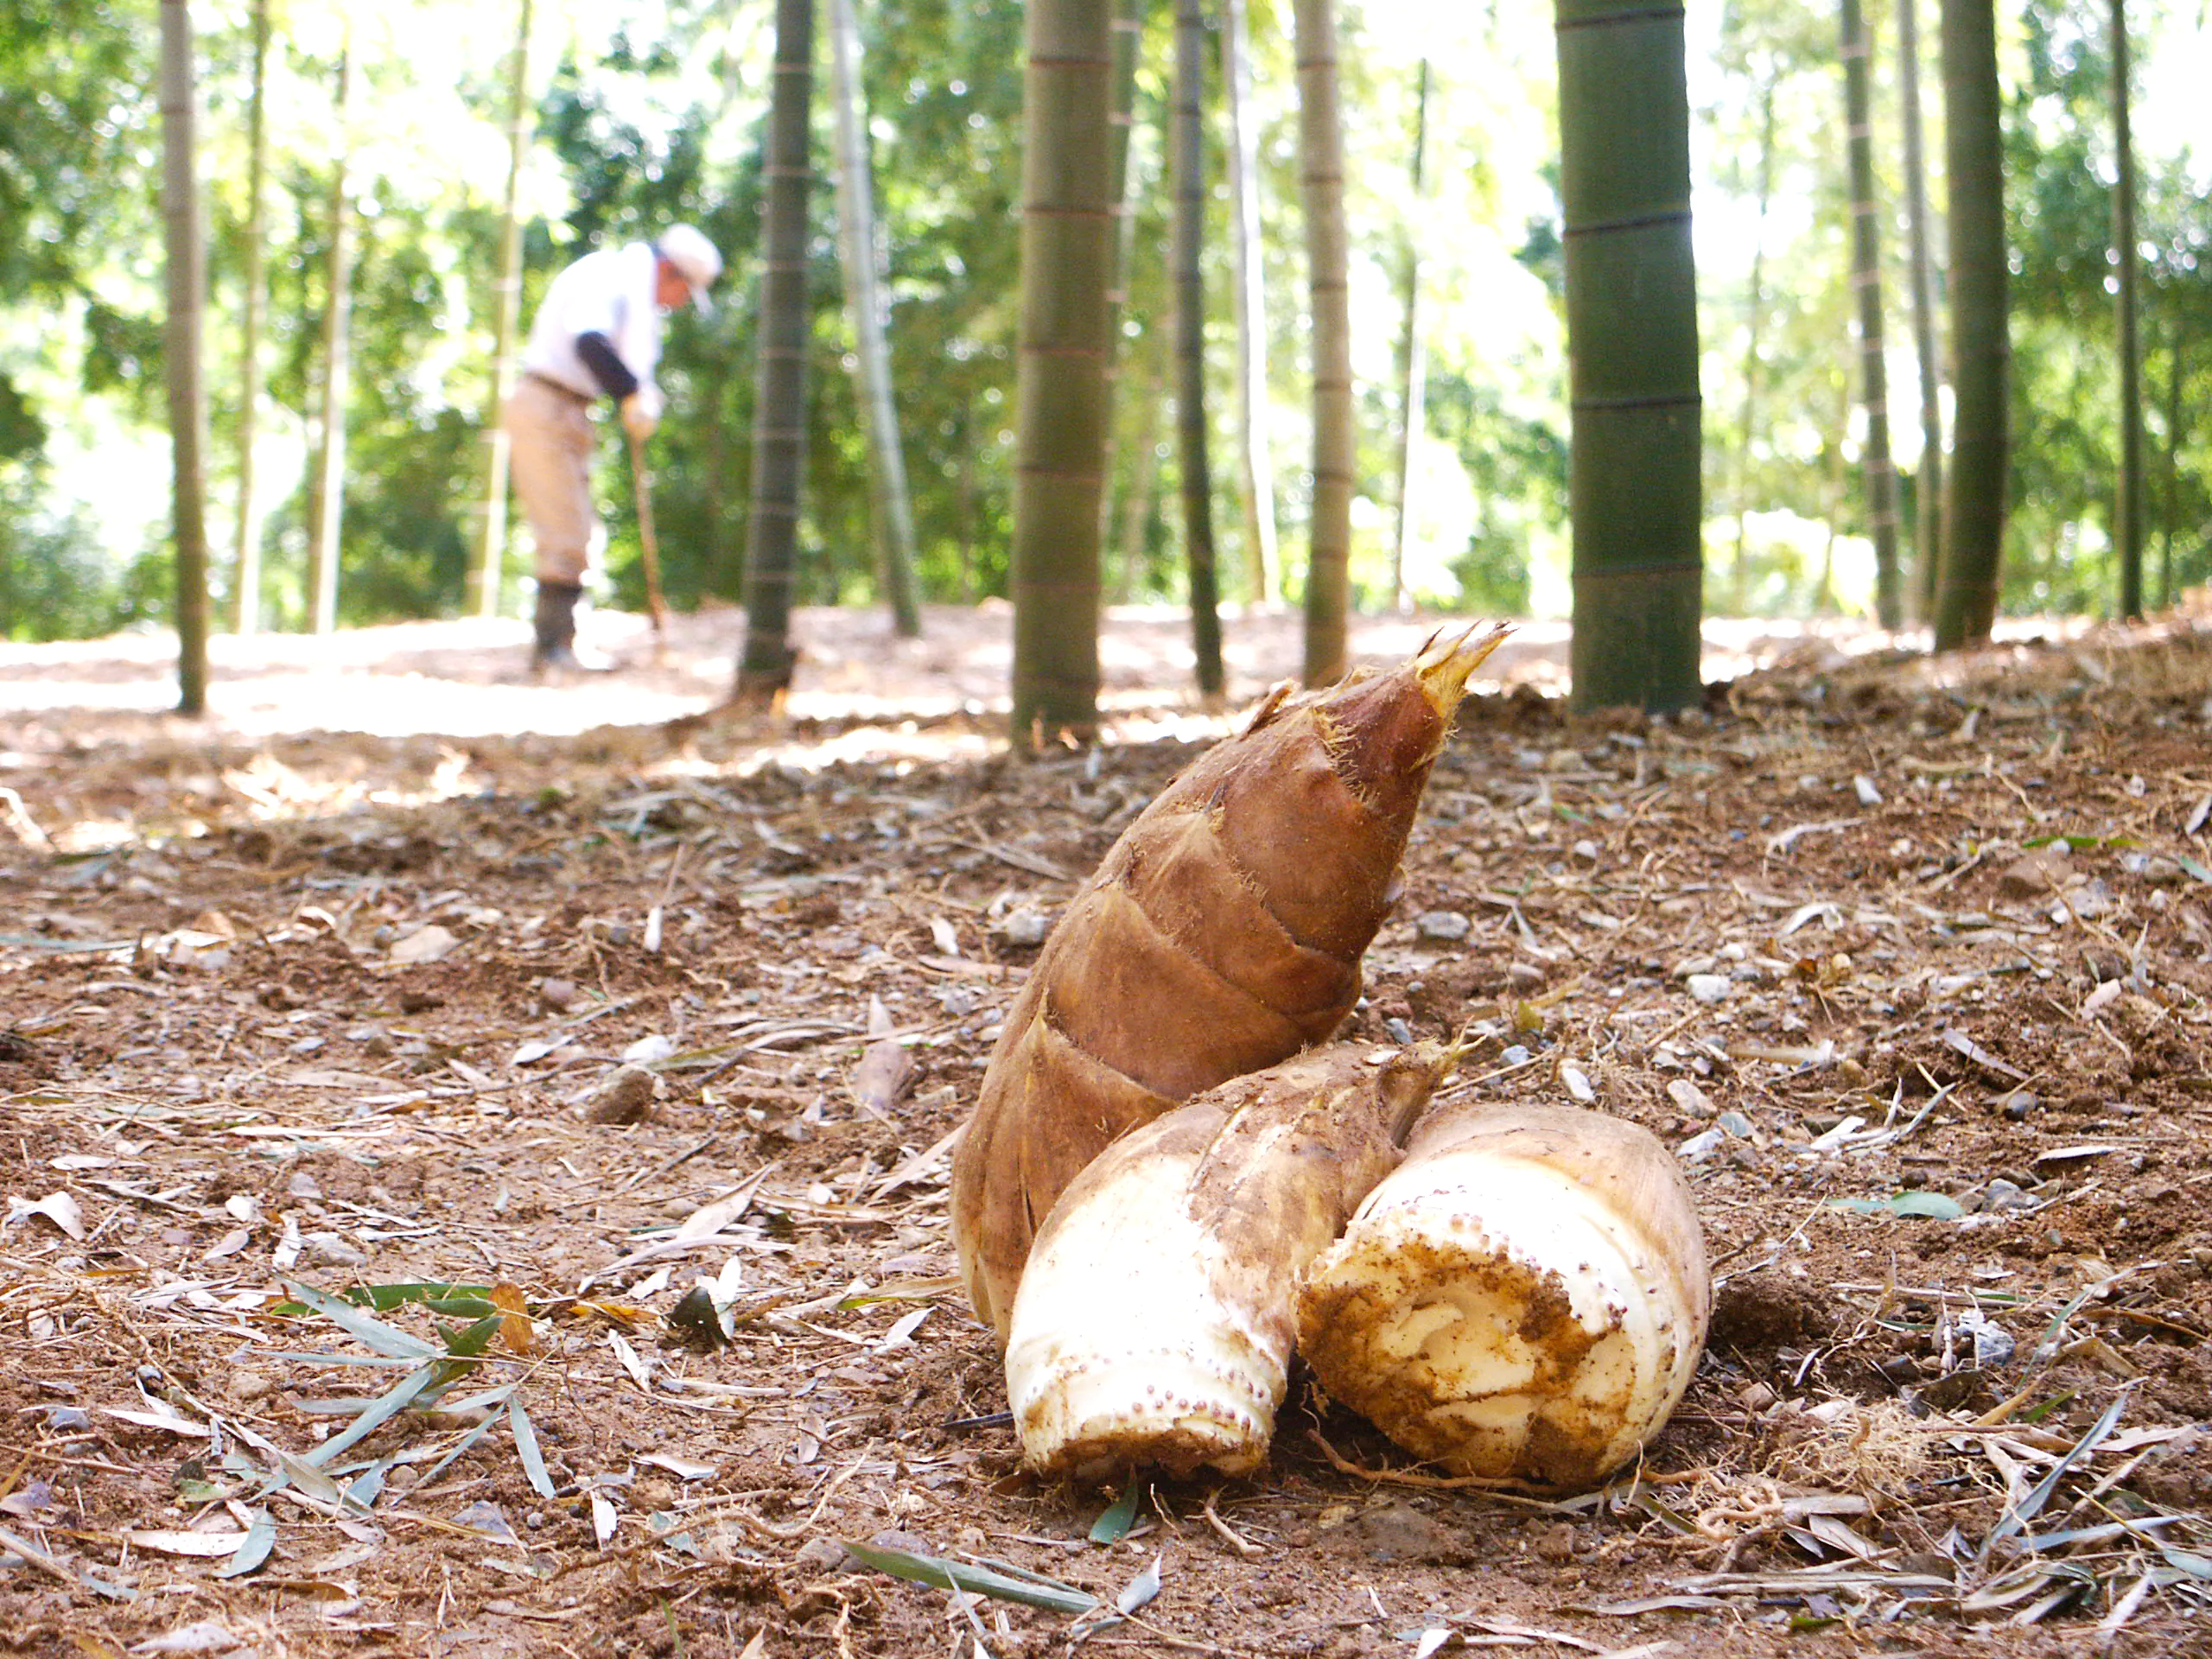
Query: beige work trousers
{"points": [[550, 442]]}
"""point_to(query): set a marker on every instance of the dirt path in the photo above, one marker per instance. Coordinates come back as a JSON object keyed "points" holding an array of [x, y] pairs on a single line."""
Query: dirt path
{"points": [[467, 678]]}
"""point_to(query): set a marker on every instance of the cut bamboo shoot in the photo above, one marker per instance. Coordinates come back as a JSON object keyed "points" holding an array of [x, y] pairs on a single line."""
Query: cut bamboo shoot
{"points": [[1155, 1323], [1523, 1298]]}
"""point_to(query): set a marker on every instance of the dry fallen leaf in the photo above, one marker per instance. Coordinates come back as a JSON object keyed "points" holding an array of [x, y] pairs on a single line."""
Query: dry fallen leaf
{"points": [[516, 1334], [887, 1070], [59, 1208], [429, 944]]}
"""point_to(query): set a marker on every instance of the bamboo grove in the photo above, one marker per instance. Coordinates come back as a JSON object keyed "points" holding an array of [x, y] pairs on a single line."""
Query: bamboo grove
{"points": [[1885, 307]]}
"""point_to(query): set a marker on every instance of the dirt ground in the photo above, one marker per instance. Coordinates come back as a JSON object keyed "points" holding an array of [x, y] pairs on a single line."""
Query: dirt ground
{"points": [[353, 984]]}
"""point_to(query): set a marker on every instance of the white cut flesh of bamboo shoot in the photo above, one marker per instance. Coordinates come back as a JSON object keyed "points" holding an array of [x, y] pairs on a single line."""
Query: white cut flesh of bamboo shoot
{"points": [[1155, 1318], [1523, 1298]]}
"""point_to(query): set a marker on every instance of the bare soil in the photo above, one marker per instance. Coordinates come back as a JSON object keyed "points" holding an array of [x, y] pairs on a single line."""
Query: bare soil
{"points": [[336, 990]]}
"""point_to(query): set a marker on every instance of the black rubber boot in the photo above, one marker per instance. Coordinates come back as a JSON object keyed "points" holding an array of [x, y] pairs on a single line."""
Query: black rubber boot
{"points": [[555, 623]]}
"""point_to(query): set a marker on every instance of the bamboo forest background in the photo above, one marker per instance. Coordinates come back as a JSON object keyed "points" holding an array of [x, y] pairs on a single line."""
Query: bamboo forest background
{"points": [[642, 114]]}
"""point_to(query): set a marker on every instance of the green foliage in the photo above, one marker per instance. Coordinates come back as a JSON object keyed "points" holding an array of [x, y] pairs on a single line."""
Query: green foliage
{"points": [[647, 113], [57, 581]]}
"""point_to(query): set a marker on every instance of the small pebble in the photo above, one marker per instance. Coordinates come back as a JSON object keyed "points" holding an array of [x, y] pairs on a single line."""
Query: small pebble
{"points": [[330, 1251], [1708, 987], [1442, 924], [1993, 1345], [1701, 1146], [558, 994], [1555, 1543], [824, 1554]]}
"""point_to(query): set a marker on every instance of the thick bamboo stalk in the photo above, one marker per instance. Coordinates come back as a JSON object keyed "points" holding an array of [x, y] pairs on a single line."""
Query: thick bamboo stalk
{"points": [[1928, 480], [894, 508], [254, 303], [1879, 471], [766, 660], [1412, 359], [337, 369], [1255, 465], [1633, 482], [2127, 506], [1328, 562], [1981, 350], [186, 259], [1188, 236], [1061, 405]]}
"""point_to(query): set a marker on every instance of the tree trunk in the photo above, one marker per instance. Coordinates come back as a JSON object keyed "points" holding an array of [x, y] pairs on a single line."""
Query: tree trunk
{"points": [[1191, 346], [763, 668], [337, 354], [2127, 508], [1067, 257], [2174, 381], [1412, 359], [1927, 483], [187, 281], [1823, 597], [894, 509], [1137, 505], [1631, 330], [964, 506], [1328, 562], [1255, 473], [1128, 47], [484, 579], [1973, 499], [1739, 572], [254, 304], [1866, 278]]}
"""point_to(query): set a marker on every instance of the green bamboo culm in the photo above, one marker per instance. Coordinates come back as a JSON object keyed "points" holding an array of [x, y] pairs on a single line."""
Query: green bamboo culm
{"points": [[1879, 471], [186, 276], [1633, 481], [2127, 503], [1981, 351], [1186, 238], [1328, 255], [1061, 401], [765, 664]]}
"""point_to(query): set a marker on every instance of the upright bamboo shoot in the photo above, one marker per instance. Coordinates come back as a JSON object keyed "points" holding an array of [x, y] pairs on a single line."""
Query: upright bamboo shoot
{"points": [[1222, 934]]}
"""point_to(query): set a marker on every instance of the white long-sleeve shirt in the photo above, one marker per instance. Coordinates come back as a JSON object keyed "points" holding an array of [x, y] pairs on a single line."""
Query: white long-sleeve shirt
{"points": [[610, 293]]}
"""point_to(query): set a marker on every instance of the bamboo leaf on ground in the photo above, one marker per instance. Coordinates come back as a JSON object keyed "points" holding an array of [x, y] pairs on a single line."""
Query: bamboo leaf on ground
{"points": [[945, 1574]]}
